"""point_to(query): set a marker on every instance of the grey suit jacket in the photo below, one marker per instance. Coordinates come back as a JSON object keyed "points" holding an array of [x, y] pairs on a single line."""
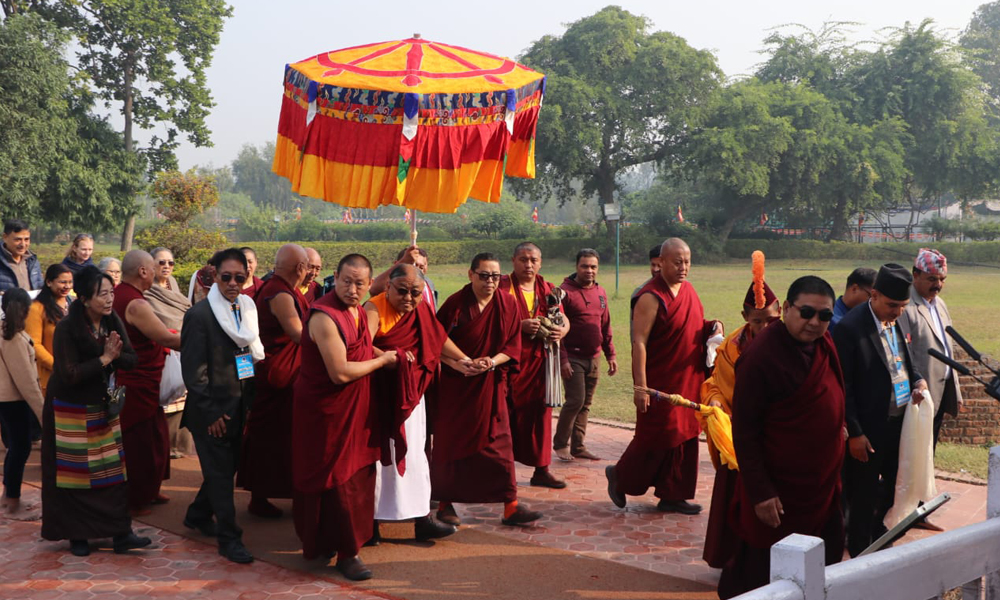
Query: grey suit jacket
{"points": [[918, 324]]}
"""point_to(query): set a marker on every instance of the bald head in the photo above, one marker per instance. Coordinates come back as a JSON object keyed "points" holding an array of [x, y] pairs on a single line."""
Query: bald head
{"points": [[406, 287], [137, 269], [314, 265], [290, 263], [675, 261]]}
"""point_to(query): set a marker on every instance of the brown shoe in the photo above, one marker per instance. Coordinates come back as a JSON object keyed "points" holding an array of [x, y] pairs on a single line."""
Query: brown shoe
{"points": [[354, 569], [564, 455], [547, 479], [448, 515], [617, 497], [521, 516], [586, 454]]}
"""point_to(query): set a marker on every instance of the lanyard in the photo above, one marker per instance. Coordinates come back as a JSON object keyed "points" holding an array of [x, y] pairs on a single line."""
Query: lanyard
{"points": [[893, 344], [236, 315]]}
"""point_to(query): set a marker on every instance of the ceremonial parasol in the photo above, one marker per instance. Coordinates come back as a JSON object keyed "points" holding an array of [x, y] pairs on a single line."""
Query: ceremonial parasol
{"points": [[717, 423], [411, 122]]}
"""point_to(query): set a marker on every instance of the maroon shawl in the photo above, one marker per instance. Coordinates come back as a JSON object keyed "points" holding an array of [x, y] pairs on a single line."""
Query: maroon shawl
{"points": [[420, 333], [675, 363], [528, 385], [143, 382], [282, 356], [467, 404], [333, 426], [788, 419]]}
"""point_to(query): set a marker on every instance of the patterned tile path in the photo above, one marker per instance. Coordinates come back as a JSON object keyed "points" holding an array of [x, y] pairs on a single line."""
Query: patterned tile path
{"points": [[582, 519], [579, 519]]}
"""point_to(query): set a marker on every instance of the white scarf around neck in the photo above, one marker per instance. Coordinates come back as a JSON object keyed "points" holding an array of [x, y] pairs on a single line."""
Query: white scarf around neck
{"points": [[247, 333]]}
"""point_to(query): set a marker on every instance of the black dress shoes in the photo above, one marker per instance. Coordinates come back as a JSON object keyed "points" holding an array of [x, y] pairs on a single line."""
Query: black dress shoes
{"points": [[206, 528], [426, 528], [678, 506], [617, 497], [123, 543], [521, 516], [354, 569], [79, 548], [545, 478], [236, 552]]}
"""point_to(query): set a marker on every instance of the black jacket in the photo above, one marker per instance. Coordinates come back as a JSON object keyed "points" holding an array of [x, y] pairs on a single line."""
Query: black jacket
{"points": [[208, 364], [867, 381]]}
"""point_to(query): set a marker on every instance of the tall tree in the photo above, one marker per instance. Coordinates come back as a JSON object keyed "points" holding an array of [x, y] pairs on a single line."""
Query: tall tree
{"points": [[252, 174], [981, 40], [57, 160], [149, 57], [617, 95]]}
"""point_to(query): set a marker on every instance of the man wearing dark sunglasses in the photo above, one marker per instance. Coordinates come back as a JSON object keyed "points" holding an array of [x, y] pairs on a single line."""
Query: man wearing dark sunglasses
{"points": [[881, 379], [788, 423]]}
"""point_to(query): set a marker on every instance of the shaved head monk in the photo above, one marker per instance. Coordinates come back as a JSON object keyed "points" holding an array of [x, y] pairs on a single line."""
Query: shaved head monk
{"points": [[530, 415], [266, 466], [473, 459], [310, 287], [334, 443], [145, 435], [401, 319], [669, 332]]}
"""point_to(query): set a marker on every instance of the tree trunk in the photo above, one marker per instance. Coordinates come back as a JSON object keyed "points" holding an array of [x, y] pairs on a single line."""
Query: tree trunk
{"points": [[734, 217], [129, 230], [839, 229], [606, 192]]}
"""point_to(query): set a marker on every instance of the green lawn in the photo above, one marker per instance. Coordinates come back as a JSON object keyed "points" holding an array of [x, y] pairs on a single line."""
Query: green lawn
{"points": [[970, 292], [959, 458]]}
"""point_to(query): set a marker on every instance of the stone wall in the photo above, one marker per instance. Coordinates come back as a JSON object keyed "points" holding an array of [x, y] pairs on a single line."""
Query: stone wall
{"points": [[978, 422]]}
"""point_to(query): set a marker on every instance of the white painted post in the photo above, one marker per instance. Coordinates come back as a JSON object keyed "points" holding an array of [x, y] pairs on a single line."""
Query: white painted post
{"points": [[801, 560], [992, 512]]}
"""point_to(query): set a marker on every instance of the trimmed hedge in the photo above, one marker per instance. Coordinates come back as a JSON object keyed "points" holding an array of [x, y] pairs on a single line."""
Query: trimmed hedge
{"points": [[976, 253]]}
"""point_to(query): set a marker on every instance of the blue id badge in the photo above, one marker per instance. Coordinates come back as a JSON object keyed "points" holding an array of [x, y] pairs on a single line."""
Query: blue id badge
{"points": [[244, 365], [902, 390]]}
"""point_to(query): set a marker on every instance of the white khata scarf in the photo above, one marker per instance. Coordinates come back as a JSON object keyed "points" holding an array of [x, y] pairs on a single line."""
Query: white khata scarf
{"points": [[244, 334]]}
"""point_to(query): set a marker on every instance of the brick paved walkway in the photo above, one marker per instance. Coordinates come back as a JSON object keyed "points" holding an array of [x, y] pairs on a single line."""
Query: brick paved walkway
{"points": [[579, 519]]}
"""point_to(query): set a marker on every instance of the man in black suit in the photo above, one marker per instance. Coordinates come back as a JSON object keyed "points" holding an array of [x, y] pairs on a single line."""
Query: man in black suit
{"points": [[880, 379], [219, 344]]}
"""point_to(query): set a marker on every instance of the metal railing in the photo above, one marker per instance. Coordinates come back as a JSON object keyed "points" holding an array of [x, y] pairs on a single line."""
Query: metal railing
{"points": [[966, 558]]}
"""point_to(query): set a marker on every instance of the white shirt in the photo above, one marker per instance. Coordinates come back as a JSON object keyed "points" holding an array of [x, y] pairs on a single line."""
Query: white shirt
{"points": [[936, 318]]}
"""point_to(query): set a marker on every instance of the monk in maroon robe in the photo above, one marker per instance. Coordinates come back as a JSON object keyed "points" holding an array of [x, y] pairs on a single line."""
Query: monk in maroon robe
{"points": [[788, 428], [145, 435], [669, 332], [473, 458], [266, 465], [253, 283], [309, 287], [530, 416], [335, 440]]}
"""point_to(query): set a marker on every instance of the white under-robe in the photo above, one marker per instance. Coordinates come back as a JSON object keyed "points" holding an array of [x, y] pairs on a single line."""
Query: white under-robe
{"points": [[408, 496]]}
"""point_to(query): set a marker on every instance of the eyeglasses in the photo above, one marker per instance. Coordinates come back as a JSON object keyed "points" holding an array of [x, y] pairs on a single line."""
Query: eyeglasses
{"points": [[164, 263], [239, 277], [807, 312], [484, 276], [413, 292]]}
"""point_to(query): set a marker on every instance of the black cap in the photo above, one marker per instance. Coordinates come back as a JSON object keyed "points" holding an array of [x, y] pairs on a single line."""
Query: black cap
{"points": [[894, 281]]}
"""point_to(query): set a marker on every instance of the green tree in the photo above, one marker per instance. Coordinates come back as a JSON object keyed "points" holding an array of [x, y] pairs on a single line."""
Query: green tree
{"points": [[179, 198], [617, 95], [253, 176], [149, 57], [981, 41], [58, 162]]}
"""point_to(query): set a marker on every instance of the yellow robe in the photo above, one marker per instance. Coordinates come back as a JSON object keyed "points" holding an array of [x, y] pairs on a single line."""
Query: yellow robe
{"points": [[719, 386]]}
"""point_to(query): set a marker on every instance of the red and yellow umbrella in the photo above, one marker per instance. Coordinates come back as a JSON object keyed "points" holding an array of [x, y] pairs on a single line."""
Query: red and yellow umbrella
{"points": [[410, 122]]}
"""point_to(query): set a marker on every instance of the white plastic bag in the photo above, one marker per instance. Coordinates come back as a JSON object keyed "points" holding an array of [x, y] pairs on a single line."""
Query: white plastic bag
{"points": [[711, 347], [915, 478], [172, 381]]}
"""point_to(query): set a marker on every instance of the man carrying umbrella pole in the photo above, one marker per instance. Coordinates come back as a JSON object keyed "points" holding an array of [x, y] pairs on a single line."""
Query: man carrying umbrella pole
{"points": [[669, 333], [760, 309], [788, 429], [530, 409]]}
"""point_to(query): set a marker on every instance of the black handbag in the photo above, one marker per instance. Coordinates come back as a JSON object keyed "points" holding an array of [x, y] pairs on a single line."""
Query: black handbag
{"points": [[116, 398]]}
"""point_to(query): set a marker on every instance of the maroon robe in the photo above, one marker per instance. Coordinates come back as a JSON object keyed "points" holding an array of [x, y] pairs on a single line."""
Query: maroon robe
{"points": [[253, 289], [312, 291], [530, 417], [334, 443], [266, 465], [788, 420], [397, 394], [664, 451], [145, 435], [473, 459]]}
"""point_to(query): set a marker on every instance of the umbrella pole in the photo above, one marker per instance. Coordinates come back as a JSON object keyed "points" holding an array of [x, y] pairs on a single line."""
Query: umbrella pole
{"points": [[413, 228]]}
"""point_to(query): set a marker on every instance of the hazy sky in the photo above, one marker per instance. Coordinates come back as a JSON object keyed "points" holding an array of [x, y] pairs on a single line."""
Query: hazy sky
{"points": [[262, 36]]}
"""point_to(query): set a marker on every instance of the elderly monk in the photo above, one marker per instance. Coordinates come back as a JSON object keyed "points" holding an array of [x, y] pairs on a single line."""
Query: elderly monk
{"points": [[335, 441], [788, 428], [309, 287], [669, 333], [145, 435], [760, 308], [473, 459], [400, 319], [530, 415], [266, 466]]}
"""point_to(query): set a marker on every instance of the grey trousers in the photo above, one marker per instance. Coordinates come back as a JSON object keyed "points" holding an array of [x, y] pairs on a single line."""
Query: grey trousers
{"points": [[572, 426]]}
